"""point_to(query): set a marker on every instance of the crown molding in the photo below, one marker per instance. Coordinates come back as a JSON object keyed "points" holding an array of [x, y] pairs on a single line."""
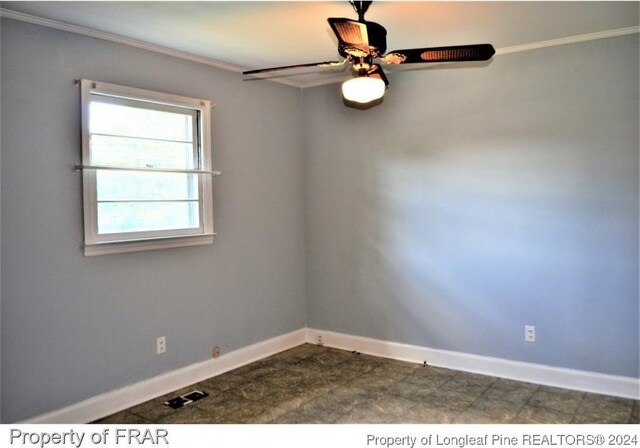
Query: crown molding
{"points": [[49, 23], [111, 37], [568, 40]]}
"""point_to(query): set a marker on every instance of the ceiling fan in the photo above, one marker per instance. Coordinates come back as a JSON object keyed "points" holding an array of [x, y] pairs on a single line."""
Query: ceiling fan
{"points": [[361, 42]]}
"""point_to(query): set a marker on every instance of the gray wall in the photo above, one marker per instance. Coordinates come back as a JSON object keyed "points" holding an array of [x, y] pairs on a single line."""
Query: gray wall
{"points": [[73, 327], [475, 201]]}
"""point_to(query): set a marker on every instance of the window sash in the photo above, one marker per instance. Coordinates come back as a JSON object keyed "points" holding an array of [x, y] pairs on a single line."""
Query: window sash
{"points": [[149, 234], [200, 161]]}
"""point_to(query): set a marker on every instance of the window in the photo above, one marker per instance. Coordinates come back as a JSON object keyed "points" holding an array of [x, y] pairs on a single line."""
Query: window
{"points": [[146, 169]]}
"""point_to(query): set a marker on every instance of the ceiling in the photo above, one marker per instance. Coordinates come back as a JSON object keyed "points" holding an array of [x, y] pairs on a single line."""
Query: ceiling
{"points": [[261, 34]]}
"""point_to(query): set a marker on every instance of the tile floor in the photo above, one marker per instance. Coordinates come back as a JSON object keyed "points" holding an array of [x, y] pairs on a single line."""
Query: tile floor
{"points": [[315, 384]]}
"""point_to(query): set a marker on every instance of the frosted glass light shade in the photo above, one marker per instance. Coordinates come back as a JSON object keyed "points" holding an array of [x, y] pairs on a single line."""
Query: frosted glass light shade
{"points": [[363, 89]]}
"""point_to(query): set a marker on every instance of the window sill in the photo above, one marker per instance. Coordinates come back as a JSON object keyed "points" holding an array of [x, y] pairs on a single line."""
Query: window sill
{"points": [[142, 245]]}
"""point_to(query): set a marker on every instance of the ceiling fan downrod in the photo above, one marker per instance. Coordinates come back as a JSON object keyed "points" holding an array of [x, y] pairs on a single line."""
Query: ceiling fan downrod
{"points": [[361, 8]]}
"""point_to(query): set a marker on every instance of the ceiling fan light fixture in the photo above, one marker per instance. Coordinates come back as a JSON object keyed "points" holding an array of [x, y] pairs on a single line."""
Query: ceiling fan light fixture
{"points": [[363, 89]]}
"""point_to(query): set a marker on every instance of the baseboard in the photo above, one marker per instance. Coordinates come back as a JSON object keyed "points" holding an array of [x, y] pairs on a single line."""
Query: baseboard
{"points": [[600, 383], [117, 400], [108, 403]]}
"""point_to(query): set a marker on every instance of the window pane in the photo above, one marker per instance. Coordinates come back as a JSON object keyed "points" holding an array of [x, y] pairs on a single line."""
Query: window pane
{"points": [[130, 152], [126, 120], [121, 217], [131, 186]]}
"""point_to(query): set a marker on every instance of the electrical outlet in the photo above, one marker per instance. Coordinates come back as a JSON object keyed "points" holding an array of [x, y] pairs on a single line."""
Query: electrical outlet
{"points": [[216, 351], [320, 340], [530, 333], [161, 345]]}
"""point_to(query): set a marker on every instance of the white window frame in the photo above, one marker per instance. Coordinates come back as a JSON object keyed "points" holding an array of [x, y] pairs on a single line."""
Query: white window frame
{"points": [[97, 244]]}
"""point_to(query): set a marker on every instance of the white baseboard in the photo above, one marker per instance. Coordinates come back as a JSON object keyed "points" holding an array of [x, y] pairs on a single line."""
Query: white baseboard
{"points": [[117, 400], [600, 383]]}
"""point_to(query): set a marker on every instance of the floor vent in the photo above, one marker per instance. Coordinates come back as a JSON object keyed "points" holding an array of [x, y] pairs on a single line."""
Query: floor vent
{"points": [[183, 400]]}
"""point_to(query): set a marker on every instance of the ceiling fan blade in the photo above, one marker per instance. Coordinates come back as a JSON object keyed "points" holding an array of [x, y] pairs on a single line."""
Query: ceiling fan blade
{"points": [[350, 33], [459, 53], [377, 72], [288, 67]]}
